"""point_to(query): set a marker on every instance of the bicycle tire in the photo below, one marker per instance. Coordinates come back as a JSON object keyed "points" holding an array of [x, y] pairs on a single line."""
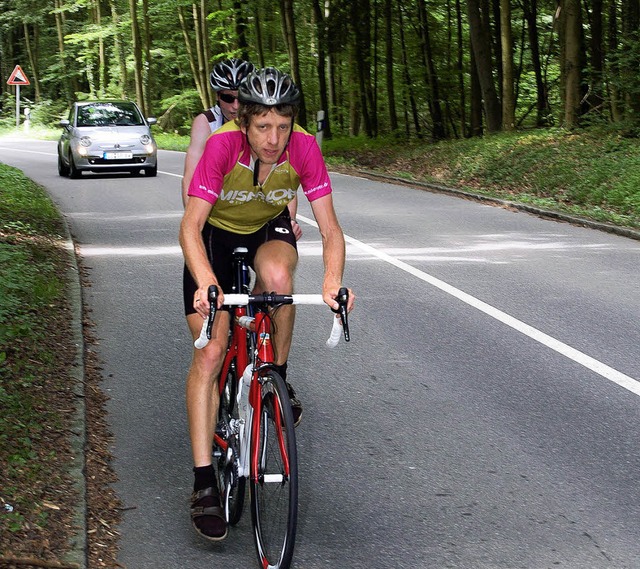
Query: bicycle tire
{"points": [[233, 487], [274, 496]]}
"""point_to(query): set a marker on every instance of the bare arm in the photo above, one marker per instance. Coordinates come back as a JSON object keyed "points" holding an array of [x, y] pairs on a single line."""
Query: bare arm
{"points": [[293, 211], [333, 250], [200, 132], [195, 216]]}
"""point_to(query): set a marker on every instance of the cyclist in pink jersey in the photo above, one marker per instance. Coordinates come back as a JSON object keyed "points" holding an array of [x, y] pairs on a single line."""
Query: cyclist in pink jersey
{"points": [[249, 172]]}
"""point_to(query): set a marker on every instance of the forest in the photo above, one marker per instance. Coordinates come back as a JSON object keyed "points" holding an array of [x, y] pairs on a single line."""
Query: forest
{"points": [[414, 69]]}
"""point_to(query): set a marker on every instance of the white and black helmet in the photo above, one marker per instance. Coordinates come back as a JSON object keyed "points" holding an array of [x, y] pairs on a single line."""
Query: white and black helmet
{"points": [[269, 87], [228, 74]]}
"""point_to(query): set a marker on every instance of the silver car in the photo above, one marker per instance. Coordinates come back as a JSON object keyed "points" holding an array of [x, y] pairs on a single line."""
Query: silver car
{"points": [[106, 136]]}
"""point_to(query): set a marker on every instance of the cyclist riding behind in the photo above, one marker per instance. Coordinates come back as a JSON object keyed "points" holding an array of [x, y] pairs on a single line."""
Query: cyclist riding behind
{"points": [[225, 78], [249, 172]]}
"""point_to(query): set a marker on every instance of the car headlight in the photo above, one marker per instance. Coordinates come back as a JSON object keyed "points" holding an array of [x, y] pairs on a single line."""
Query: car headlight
{"points": [[85, 141], [145, 139]]}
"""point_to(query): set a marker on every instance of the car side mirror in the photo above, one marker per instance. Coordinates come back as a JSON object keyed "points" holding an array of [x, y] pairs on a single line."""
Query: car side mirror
{"points": [[64, 123], [152, 120]]}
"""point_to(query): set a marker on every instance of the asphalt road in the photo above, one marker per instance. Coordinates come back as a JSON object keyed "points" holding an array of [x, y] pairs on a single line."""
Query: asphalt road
{"points": [[486, 414]]}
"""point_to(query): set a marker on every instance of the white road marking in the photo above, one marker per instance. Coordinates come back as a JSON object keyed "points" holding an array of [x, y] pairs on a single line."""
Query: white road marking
{"points": [[577, 356]]}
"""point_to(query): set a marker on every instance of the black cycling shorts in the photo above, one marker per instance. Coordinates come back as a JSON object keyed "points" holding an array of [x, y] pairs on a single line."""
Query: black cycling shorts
{"points": [[220, 244]]}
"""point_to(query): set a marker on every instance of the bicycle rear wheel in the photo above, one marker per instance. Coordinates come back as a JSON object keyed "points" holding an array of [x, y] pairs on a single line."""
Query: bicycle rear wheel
{"points": [[233, 487], [274, 488]]}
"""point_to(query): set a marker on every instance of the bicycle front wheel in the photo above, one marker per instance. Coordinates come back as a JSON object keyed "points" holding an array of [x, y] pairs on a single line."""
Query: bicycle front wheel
{"points": [[274, 487]]}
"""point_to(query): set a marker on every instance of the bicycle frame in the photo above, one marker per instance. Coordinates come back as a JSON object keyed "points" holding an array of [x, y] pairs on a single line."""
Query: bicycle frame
{"points": [[263, 357]]}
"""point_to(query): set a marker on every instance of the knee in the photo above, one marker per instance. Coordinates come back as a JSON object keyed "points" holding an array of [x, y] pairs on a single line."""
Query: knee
{"points": [[278, 278], [208, 361]]}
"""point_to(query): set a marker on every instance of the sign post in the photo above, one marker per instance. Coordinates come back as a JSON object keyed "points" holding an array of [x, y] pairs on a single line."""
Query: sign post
{"points": [[17, 78], [320, 131]]}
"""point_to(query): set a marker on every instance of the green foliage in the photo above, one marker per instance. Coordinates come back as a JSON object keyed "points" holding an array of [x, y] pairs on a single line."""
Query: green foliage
{"points": [[177, 112], [32, 260], [32, 208], [97, 60]]}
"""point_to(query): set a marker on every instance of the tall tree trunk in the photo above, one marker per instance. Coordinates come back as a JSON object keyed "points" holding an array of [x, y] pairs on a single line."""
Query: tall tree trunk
{"points": [[68, 85], [361, 22], [32, 51], [204, 14], [460, 71], [630, 38], [202, 63], [542, 100], [493, 7], [321, 35], [119, 49], [102, 57], [356, 110], [289, 32], [571, 63], [193, 63], [137, 56], [476, 99], [388, 39], [438, 131], [241, 29], [482, 54], [613, 68], [408, 80], [596, 94], [508, 99], [259, 47], [147, 77]]}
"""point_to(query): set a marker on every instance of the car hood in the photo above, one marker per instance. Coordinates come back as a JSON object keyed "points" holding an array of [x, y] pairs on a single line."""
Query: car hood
{"points": [[108, 133]]}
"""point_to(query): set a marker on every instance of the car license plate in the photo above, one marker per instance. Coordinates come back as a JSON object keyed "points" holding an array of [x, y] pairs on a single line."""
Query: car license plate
{"points": [[117, 155]]}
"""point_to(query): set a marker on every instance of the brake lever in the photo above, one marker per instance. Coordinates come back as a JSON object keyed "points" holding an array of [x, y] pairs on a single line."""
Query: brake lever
{"points": [[343, 300], [212, 295]]}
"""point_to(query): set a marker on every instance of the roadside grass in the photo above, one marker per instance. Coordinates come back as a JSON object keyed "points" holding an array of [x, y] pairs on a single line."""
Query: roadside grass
{"points": [[593, 174], [36, 397]]}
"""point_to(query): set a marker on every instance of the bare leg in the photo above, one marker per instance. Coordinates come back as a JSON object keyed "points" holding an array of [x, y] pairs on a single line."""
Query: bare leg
{"points": [[202, 386], [275, 264]]}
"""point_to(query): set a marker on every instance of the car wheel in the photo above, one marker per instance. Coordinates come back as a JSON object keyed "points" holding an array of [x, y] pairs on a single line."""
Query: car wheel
{"points": [[73, 171], [63, 169], [152, 172]]}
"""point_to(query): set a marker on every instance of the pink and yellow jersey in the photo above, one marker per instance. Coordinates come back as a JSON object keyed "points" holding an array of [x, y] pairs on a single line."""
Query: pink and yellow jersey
{"points": [[224, 177]]}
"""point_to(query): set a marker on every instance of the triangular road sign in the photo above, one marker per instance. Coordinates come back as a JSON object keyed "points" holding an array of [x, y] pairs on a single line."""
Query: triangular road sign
{"points": [[18, 77]]}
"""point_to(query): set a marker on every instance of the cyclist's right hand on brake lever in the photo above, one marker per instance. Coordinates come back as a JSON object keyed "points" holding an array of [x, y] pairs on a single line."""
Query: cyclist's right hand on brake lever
{"points": [[344, 297]]}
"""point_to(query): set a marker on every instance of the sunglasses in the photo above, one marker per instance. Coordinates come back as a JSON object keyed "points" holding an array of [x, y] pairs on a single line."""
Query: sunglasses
{"points": [[229, 99]]}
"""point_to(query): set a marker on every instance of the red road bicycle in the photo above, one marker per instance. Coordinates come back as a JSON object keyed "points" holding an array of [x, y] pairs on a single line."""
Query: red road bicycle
{"points": [[255, 438]]}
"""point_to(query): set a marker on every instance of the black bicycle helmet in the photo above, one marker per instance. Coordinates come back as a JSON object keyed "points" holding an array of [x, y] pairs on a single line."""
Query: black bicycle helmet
{"points": [[227, 75], [269, 87]]}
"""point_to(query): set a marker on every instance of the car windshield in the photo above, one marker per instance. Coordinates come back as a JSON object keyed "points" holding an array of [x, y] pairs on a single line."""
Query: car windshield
{"points": [[109, 114]]}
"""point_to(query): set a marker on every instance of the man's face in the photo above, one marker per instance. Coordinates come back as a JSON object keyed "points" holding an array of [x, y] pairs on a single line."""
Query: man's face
{"points": [[228, 102], [268, 135]]}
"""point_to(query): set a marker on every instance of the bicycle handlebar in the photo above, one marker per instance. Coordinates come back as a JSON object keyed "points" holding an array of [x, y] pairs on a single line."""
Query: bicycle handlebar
{"points": [[340, 325]]}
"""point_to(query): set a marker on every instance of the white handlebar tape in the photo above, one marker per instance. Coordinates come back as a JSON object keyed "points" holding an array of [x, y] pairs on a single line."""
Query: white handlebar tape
{"points": [[243, 299], [336, 332], [202, 341]]}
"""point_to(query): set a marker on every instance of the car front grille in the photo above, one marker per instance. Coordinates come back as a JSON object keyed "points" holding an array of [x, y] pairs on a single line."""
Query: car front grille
{"points": [[103, 162]]}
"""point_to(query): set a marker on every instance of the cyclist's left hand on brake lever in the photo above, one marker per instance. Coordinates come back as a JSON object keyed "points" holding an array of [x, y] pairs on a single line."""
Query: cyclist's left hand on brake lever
{"points": [[334, 294]]}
